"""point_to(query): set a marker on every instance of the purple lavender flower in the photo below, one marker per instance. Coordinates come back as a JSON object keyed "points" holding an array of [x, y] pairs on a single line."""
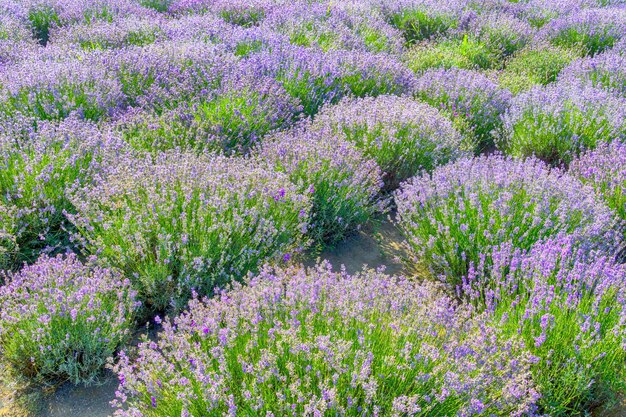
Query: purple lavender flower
{"points": [[344, 183], [606, 70], [466, 95], [605, 170], [242, 111], [592, 30], [62, 319], [302, 327], [555, 123], [130, 31], [401, 134], [38, 169], [334, 27], [184, 223], [556, 285], [317, 78], [452, 217]]}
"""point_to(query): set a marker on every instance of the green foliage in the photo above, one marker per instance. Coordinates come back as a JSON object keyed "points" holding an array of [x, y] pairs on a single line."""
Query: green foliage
{"points": [[41, 19], [158, 5], [463, 53], [535, 66], [418, 24]]}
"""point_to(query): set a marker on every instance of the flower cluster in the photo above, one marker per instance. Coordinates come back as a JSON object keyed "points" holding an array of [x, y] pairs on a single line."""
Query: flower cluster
{"points": [[454, 216], [555, 123], [343, 183], [591, 30], [50, 90], [605, 170], [184, 223], [569, 307], [243, 110], [502, 33], [469, 96], [164, 75], [62, 319], [333, 27], [317, 78], [606, 70], [421, 19], [402, 135], [16, 42], [36, 173], [299, 342], [130, 31]]}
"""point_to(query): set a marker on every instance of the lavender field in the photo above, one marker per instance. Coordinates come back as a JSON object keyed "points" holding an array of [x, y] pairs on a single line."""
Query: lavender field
{"points": [[273, 208]]}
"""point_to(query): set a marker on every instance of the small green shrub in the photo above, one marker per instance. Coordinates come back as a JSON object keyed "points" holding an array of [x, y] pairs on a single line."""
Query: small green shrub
{"points": [[62, 320], [188, 223], [454, 217], [344, 185]]}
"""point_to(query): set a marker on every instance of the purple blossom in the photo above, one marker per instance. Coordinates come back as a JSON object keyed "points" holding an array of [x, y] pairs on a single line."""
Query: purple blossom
{"points": [[402, 135], [469, 95], [452, 217], [344, 183], [98, 302], [138, 213], [324, 354]]}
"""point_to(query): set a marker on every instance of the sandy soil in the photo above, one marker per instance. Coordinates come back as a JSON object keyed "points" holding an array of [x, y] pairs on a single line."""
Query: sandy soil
{"points": [[373, 247], [73, 401]]}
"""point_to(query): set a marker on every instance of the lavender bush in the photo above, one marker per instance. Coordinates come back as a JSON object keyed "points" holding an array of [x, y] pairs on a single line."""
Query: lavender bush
{"points": [[316, 78], [469, 96], [590, 30], [36, 172], [606, 70], [557, 122], [331, 27], [62, 319], [242, 112], [51, 90], [420, 20], [502, 33], [164, 75], [343, 183], [184, 223], [605, 170], [45, 15], [570, 310], [130, 31], [15, 41], [402, 135], [452, 217], [312, 342], [237, 12]]}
